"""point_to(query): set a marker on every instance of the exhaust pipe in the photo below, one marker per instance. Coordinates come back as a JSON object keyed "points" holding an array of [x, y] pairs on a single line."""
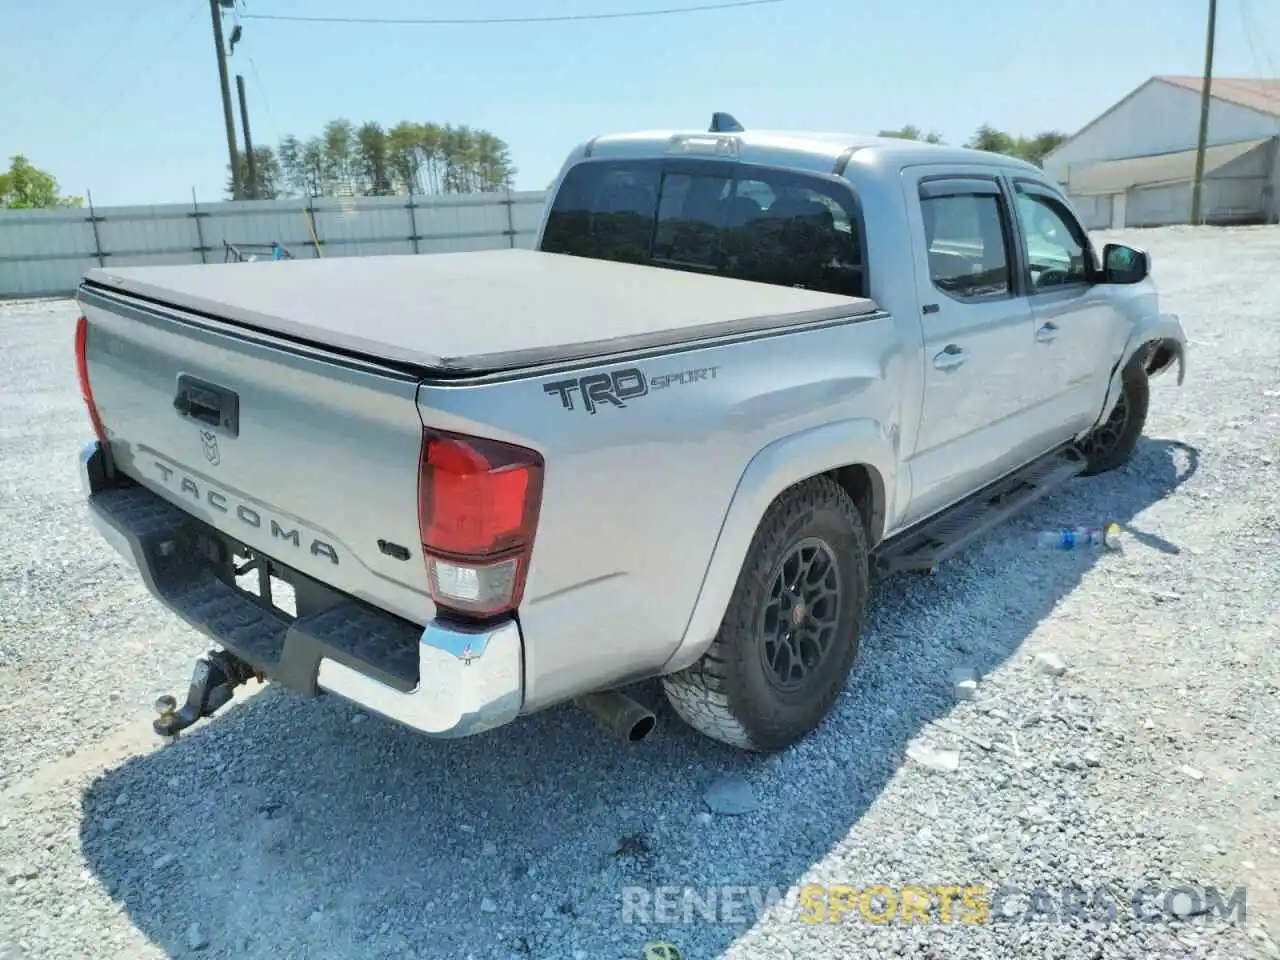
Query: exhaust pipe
{"points": [[619, 714]]}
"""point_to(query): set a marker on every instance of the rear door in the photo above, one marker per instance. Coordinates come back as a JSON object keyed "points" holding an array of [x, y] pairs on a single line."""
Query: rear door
{"points": [[1078, 329], [978, 382]]}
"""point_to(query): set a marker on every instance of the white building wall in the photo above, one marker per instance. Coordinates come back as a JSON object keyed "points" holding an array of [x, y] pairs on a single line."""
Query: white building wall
{"points": [[1160, 118], [1095, 212]]}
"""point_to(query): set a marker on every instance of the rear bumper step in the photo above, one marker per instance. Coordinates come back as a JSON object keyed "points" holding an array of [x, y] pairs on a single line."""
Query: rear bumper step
{"points": [[446, 680]]}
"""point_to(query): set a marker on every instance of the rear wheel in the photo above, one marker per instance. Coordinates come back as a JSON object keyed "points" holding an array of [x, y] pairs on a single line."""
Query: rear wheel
{"points": [[1112, 443], [790, 635]]}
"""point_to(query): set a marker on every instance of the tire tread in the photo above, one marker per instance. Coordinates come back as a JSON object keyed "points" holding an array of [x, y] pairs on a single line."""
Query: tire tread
{"points": [[701, 694]]}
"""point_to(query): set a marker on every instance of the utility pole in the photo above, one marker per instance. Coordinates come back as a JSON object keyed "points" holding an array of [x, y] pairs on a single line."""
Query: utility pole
{"points": [[1197, 186], [227, 115], [249, 159]]}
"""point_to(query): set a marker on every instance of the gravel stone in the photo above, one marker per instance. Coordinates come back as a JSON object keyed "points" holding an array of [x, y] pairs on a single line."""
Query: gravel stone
{"points": [[365, 820], [943, 761], [964, 683], [196, 938], [730, 797], [1050, 664]]}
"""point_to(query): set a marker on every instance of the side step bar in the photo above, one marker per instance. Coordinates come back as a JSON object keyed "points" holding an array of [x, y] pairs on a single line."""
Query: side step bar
{"points": [[926, 545]]}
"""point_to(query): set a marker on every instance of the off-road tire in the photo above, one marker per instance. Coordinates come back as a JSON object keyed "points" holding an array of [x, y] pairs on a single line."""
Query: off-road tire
{"points": [[727, 695], [1112, 443]]}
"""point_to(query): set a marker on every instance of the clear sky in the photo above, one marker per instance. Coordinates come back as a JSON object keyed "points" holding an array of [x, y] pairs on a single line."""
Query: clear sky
{"points": [[121, 96]]}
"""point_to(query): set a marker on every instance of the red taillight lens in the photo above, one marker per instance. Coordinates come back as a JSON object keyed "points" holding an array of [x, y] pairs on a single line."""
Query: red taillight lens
{"points": [[478, 504], [82, 371]]}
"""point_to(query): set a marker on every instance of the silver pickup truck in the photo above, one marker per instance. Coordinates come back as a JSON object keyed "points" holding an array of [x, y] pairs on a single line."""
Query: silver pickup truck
{"points": [[741, 374]]}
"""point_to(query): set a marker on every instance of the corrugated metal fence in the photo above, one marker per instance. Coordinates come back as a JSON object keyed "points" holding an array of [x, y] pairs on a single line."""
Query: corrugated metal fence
{"points": [[45, 252]]}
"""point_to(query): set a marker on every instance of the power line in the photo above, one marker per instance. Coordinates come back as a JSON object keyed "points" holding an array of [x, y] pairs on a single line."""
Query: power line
{"points": [[110, 53], [1251, 28], [150, 62], [565, 18], [262, 89]]}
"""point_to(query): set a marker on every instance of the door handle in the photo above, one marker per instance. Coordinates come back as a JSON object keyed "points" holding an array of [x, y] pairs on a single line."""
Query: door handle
{"points": [[1047, 333], [951, 357], [209, 404]]}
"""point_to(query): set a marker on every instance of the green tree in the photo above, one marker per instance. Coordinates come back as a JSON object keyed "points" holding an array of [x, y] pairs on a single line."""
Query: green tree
{"points": [[1034, 149], [405, 156], [373, 160], [338, 145], [27, 187], [992, 140], [912, 132], [1030, 149], [493, 159], [458, 146], [267, 171], [302, 166]]}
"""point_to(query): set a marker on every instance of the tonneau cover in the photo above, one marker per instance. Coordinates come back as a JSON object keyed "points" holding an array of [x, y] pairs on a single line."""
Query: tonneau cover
{"points": [[479, 312]]}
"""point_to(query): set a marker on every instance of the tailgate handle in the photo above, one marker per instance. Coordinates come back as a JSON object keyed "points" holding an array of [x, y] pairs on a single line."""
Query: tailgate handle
{"points": [[209, 404]]}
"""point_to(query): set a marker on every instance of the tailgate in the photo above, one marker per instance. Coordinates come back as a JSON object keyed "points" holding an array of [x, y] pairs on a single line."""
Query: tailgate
{"points": [[310, 459]]}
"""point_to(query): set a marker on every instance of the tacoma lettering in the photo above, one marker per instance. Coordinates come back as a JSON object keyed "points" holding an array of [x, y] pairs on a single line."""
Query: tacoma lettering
{"points": [[246, 514]]}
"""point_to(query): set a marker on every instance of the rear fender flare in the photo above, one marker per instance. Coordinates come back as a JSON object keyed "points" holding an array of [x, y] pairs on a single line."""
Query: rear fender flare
{"points": [[779, 466], [1161, 333]]}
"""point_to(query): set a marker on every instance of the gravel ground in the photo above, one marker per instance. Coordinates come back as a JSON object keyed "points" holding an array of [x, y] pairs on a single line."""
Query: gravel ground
{"points": [[291, 828]]}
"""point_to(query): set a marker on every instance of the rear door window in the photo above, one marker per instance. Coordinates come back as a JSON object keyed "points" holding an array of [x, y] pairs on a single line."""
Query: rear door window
{"points": [[764, 225], [967, 246]]}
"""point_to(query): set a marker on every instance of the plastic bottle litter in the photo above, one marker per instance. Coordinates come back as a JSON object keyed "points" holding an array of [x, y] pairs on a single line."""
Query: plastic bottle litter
{"points": [[1078, 538]]}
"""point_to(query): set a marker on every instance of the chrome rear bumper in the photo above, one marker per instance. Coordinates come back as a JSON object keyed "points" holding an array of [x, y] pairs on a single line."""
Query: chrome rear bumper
{"points": [[468, 682], [444, 680]]}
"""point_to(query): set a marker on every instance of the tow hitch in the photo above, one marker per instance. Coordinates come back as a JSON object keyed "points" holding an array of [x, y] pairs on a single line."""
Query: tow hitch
{"points": [[214, 680]]}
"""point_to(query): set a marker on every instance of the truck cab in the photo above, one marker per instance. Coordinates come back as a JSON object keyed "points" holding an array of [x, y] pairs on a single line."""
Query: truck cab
{"points": [[1016, 324]]}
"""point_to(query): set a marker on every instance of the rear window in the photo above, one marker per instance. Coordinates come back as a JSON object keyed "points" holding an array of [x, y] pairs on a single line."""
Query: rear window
{"points": [[768, 226]]}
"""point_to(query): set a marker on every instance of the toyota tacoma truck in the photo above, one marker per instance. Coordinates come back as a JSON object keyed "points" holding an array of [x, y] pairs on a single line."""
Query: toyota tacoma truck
{"points": [[739, 375]]}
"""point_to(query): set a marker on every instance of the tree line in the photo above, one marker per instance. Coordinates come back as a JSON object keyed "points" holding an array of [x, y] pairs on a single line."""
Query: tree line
{"points": [[371, 160], [1032, 149], [26, 187]]}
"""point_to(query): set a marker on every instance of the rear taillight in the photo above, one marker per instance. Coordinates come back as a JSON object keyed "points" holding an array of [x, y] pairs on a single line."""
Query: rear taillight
{"points": [[82, 371], [478, 504]]}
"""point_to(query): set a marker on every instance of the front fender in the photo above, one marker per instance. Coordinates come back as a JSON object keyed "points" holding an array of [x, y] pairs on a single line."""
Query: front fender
{"points": [[780, 465], [1156, 333]]}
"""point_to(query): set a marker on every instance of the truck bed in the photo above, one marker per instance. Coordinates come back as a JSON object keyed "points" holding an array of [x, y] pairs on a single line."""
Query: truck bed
{"points": [[470, 314]]}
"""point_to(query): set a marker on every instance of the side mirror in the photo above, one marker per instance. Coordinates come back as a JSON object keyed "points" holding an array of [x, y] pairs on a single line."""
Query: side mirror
{"points": [[1123, 264]]}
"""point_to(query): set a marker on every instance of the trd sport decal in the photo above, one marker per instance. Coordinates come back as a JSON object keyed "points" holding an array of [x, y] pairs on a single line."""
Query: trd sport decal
{"points": [[619, 386]]}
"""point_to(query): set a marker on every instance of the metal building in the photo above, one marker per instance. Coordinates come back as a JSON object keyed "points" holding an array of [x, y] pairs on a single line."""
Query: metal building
{"points": [[1134, 165]]}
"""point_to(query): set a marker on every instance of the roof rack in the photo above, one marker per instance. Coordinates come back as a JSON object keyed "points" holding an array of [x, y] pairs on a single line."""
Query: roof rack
{"points": [[724, 123]]}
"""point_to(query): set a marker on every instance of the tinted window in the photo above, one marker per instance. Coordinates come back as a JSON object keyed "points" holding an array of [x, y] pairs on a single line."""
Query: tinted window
{"points": [[767, 226], [605, 212], [965, 235], [1054, 243]]}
